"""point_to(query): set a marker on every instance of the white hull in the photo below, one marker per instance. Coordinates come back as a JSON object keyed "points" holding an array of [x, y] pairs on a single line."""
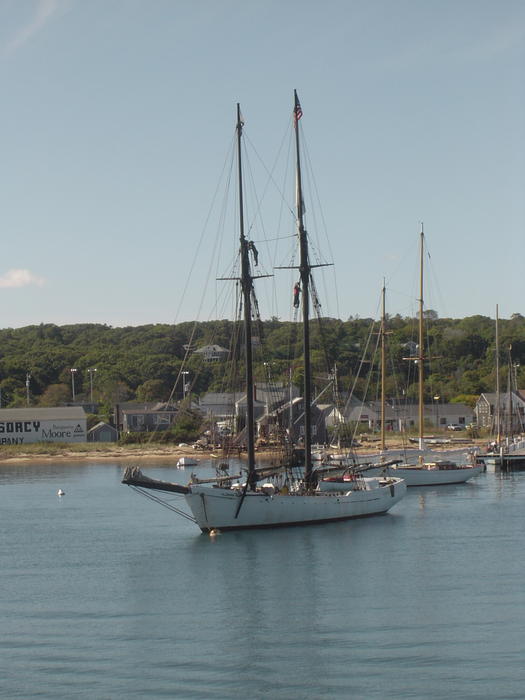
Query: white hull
{"points": [[187, 462], [427, 475], [216, 508]]}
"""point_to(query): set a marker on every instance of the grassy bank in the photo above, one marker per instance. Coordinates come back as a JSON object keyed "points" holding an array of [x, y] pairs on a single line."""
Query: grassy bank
{"points": [[87, 450], [153, 450]]}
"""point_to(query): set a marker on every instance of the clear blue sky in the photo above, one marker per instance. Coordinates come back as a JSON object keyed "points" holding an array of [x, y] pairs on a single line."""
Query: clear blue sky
{"points": [[117, 116]]}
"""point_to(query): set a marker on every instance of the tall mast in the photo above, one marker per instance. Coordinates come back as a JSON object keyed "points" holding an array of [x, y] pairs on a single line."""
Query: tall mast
{"points": [[509, 422], [383, 369], [498, 392], [304, 269], [247, 287], [421, 354]]}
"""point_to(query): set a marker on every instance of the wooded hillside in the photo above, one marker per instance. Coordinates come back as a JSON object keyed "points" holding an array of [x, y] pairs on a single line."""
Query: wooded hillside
{"points": [[144, 362]]}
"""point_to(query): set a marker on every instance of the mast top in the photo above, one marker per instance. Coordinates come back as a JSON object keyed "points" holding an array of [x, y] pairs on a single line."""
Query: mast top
{"points": [[297, 110]]}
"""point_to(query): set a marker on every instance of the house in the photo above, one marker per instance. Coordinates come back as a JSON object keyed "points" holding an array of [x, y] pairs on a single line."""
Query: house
{"points": [[212, 353], [224, 405], [401, 415], [274, 394], [134, 416], [486, 411], [444, 414], [288, 419], [218, 405], [102, 432], [259, 410], [332, 415], [267, 397], [405, 416], [356, 411]]}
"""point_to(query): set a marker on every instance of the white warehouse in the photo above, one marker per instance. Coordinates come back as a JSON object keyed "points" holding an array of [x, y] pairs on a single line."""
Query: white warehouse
{"points": [[20, 426]]}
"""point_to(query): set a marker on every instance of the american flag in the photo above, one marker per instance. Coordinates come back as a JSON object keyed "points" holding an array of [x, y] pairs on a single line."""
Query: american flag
{"points": [[298, 112]]}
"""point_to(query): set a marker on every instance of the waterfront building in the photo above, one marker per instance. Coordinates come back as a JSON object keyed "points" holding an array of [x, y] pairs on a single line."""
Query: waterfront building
{"points": [[20, 426]]}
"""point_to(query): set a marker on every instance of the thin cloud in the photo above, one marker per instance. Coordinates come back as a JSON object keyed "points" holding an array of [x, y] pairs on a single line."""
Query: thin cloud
{"points": [[20, 278], [44, 11]]}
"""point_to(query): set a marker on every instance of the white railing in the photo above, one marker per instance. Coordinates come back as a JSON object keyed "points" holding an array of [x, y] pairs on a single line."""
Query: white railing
{"points": [[517, 444]]}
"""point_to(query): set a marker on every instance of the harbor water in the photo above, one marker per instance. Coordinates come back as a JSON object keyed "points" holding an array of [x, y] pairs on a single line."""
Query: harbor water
{"points": [[107, 595]]}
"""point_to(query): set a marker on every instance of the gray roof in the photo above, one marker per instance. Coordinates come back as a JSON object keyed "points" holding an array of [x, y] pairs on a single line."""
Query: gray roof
{"points": [[99, 425], [492, 397], [53, 413], [142, 405], [212, 348], [212, 398]]}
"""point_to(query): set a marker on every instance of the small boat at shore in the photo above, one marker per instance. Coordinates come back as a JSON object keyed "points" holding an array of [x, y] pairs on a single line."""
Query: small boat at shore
{"points": [[187, 462]]}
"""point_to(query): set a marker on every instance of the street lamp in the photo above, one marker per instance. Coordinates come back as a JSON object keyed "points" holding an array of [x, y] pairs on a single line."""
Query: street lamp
{"points": [[91, 370], [184, 384], [28, 379], [436, 399], [73, 372]]}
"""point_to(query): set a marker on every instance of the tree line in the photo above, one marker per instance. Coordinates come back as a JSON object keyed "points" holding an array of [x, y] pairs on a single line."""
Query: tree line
{"points": [[147, 362]]}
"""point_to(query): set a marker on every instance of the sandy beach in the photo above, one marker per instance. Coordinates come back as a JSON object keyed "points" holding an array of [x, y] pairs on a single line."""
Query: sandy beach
{"points": [[107, 452], [155, 451]]}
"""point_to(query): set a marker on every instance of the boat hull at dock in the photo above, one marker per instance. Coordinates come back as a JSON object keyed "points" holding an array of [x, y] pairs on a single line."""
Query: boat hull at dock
{"points": [[220, 509], [427, 474], [505, 461]]}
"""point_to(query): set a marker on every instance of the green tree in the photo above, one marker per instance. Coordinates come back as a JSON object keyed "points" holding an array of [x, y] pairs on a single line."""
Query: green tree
{"points": [[152, 390], [55, 395], [186, 427]]}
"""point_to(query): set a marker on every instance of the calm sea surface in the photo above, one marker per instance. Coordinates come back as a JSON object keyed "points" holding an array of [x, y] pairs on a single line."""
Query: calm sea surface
{"points": [[105, 594]]}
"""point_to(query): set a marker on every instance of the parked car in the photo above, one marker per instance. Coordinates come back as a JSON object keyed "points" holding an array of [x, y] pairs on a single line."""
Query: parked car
{"points": [[455, 426]]}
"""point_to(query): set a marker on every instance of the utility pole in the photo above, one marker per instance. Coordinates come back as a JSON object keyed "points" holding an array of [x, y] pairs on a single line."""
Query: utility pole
{"points": [[73, 372], [91, 371]]}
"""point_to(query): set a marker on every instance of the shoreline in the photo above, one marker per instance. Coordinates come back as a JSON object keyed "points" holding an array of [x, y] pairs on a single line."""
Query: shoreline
{"points": [[155, 452]]}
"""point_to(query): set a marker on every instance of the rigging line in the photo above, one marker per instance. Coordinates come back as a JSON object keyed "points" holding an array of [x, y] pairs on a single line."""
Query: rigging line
{"points": [[317, 307], [257, 216], [196, 255], [282, 208], [162, 502], [253, 190], [375, 353], [206, 222], [323, 227], [367, 386], [434, 279], [270, 172], [271, 240], [361, 363], [184, 362], [401, 402]]}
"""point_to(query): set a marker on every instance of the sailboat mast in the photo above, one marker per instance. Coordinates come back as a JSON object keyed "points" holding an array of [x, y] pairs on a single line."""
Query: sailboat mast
{"points": [[246, 286], [498, 392], [383, 369], [509, 422], [304, 269], [421, 354]]}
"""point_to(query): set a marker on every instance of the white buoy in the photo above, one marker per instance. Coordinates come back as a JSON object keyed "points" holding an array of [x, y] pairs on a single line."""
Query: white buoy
{"points": [[61, 493]]}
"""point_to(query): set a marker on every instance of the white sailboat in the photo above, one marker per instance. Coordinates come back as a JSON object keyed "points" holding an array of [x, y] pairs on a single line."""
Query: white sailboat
{"points": [[507, 451], [220, 504], [425, 472]]}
